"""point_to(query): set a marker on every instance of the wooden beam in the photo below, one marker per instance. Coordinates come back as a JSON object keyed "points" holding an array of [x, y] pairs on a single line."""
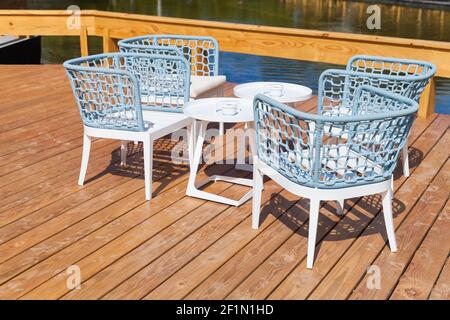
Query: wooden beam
{"points": [[428, 100], [84, 41], [300, 44], [109, 44]]}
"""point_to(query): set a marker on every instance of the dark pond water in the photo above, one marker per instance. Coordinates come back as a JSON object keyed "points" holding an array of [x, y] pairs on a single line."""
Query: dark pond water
{"points": [[419, 21]]}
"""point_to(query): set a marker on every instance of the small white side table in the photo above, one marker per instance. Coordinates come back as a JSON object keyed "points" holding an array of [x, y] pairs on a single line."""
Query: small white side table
{"points": [[291, 92], [205, 111]]}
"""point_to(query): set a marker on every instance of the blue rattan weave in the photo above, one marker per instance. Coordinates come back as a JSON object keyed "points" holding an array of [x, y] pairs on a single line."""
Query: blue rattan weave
{"points": [[334, 151], [201, 52], [112, 89], [337, 88], [145, 44]]}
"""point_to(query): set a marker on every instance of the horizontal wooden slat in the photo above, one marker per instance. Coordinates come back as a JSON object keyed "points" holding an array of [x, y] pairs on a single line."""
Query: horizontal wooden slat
{"points": [[302, 44], [181, 247]]}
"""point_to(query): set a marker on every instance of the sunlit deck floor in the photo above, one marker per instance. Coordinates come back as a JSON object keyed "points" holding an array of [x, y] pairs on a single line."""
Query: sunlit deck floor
{"points": [[176, 247]]}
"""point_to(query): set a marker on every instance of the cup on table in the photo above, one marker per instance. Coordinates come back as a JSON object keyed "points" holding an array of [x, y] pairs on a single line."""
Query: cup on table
{"points": [[273, 90], [228, 108]]}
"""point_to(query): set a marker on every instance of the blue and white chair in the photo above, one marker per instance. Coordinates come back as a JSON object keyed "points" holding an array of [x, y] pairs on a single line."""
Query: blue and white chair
{"points": [[201, 52], [109, 90], [337, 88], [332, 157]]}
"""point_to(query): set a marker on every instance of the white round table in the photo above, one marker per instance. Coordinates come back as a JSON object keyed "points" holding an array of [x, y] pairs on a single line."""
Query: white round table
{"points": [[205, 111], [291, 92]]}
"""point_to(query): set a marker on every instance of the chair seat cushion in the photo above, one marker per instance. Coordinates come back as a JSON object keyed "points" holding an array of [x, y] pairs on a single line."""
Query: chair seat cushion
{"points": [[160, 123], [202, 84]]}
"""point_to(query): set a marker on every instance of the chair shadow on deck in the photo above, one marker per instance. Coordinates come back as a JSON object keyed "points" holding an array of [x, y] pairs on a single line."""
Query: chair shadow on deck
{"points": [[350, 225], [415, 158], [164, 169]]}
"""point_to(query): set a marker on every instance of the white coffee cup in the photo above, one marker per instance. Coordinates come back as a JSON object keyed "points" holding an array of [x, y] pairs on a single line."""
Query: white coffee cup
{"points": [[228, 108], [273, 90]]}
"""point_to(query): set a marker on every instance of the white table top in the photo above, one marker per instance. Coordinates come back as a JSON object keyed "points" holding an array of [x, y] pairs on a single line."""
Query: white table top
{"points": [[207, 110], [291, 92]]}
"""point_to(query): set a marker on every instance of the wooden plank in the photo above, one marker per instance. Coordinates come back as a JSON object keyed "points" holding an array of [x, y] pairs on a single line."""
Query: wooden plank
{"points": [[60, 233], [63, 250], [441, 290], [109, 45], [131, 211], [221, 282], [197, 243], [29, 132], [286, 259], [43, 22], [46, 205], [103, 234], [42, 182], [70, 194], [188, 277], [171, 225], [409, 236], [53, 137], [310, 45], [423, 271], [121, 216], [301, 282], [84, 41], [354, 263], [428, 100], [157, 246], [19, 162], [60, 222]]}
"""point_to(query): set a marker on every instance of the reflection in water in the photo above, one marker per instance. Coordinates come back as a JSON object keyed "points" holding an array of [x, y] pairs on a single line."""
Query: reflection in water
{"points": [[432, 23], [333, 15]]}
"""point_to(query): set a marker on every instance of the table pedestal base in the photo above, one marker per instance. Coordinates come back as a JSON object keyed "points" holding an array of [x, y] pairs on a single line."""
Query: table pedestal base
{"points": [[193, 187], [193, 191]]}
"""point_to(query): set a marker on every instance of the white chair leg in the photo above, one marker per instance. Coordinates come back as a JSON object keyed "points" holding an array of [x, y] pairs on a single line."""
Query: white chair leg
{"points": [[313, 221], [221, 128], [123, 152], [388, 219], [148, 164], [340, 207], [405, 159], [84, 158], [257, 191]]}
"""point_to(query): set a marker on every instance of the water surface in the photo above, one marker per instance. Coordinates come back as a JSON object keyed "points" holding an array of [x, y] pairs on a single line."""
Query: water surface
{"points": [[399, 20]]}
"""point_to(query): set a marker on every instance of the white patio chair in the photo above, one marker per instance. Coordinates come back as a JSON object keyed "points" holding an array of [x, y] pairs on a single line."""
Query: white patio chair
{"points": [[306, 155], [201, 52], [108, 89], [408, 78]]}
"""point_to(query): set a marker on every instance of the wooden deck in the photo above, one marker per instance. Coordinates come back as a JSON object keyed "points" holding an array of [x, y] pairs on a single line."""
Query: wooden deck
{"points": [[176, 247]]}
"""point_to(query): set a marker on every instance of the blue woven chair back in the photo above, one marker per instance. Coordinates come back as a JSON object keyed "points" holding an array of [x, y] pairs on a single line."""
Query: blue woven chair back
{"points": [[337, 88], [201, 52], [145, 44], [108, 88], [164, 81], [334, 151]]}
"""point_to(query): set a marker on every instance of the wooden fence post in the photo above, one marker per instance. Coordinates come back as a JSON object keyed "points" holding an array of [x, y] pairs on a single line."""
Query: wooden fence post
{"points": [[84, 41], [427, 100], [109, 45]]}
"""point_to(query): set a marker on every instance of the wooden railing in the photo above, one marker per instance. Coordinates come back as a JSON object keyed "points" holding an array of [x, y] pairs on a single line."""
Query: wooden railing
{"points": [[309, 45]]}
